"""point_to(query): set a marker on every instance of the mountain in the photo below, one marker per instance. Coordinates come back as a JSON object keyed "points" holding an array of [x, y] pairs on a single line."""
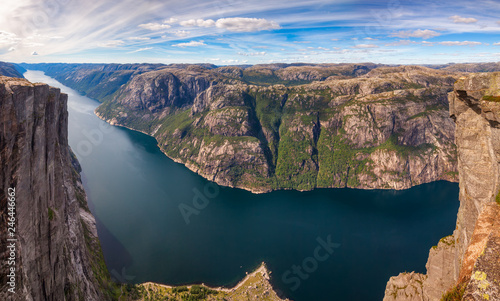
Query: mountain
{"points": [[466, 265], [281, 126], [53, 252], [469, 67], [12, 70]]}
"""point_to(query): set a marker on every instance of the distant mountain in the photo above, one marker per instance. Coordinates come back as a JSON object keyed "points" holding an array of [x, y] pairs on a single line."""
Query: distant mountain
{"points": [[469, 67], [12, 70]]}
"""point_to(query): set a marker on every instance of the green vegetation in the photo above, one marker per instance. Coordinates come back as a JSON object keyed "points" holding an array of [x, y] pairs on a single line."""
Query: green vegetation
{"points": [[268, 78], [111, 289], [295, 167], [299, 130], [497, 198], [100, 85], [404, 150], [456, 293], [491, 98], [340, 163], [51, 214], [428, 110]]}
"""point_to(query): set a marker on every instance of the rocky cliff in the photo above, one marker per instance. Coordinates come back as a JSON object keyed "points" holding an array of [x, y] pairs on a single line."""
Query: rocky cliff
{"points": [[466, 265], [384, 127], [52, 251]]}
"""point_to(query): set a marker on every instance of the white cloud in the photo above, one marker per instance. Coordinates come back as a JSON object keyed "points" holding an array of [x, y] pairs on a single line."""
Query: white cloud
{"points": [[34, 53], [8, 38], [198, 22], [460, 43], [246, 24], [401, 43], [141, 49], [262, 53], [426, 43], [496, 44], [181, 33], [138, 38], [365, 46], [334, 39], [190, 44], [371, 39], [458, 19], [171, 21], [498, 22], [233, 24], [154, 26], [419, 33], [11, 49], [111, 43]]}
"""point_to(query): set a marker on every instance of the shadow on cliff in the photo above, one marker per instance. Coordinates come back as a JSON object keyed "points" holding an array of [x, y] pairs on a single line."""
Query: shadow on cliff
{"points": [[120, 259]]}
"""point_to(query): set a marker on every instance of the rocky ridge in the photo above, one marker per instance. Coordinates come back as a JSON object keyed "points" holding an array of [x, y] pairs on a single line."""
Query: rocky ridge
{"points": [[57, 252], [384, 127], [467, 264]]}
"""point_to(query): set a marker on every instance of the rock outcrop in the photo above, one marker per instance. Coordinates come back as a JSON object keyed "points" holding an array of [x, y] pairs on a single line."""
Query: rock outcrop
{"points": [[468, 263], [279, 126], [384, 128], [56, 249]]}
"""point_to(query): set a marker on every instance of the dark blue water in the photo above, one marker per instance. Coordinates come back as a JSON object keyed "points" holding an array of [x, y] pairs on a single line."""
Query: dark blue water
{"points": [[135, 194]]}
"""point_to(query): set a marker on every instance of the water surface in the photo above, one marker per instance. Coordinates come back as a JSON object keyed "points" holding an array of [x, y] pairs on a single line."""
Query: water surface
{"points": [[135, 192]]}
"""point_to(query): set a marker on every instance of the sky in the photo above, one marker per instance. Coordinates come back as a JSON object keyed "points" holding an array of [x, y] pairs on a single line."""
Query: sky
{"points": [[232, 32]]}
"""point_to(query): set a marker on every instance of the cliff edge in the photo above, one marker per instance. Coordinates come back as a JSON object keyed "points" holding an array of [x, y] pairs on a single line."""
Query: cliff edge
{"points": [[466, 265], [49, 249]]}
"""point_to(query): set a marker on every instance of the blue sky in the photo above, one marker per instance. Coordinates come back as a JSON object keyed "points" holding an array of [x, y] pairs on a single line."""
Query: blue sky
{"points": [[249, 32]]}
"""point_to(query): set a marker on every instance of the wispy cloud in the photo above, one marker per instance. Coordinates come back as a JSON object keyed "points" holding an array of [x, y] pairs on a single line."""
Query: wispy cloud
{"points": [[460, 43], [458, 19], [154, 26], [171, 20], [262, 53], [190, 44], [234, 24], [246, 24], [112, 44], [138, 38], [401, 43], [496, 44], [419, 33], [141, 49], [181, 33], [80, 31], [365, 46], [198, 22]]}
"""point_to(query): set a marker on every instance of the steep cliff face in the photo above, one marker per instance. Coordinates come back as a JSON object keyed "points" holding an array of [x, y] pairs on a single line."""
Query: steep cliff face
{"points": [[384, 128], [470, 259], [57, 253]]}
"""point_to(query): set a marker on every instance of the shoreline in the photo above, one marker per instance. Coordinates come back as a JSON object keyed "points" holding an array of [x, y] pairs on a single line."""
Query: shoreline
{"points": [[196, 170], [261, 269]]}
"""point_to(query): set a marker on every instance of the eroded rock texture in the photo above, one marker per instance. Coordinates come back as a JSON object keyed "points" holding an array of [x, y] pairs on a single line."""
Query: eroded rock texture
{"points": [[365, 127], [471, 257], [57, 251]]}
